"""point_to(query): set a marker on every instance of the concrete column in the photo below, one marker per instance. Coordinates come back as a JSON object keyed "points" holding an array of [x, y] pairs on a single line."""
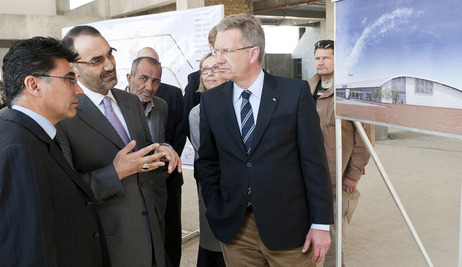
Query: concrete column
{"points": [[188, 4], [330, 20], [233, 6]]}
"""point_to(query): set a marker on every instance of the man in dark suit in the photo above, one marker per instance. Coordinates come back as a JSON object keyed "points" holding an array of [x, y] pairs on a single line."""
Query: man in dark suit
{"points": [[131, 198], [176, 136], [48, 216], [268, 194]]}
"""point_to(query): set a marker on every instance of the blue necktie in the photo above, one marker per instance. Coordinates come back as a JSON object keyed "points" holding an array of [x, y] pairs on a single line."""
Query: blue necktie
{"points": [[247, 121]]}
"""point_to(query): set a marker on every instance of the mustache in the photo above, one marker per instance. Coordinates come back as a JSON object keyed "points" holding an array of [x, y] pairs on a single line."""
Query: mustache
{"points": [[107, 73]]}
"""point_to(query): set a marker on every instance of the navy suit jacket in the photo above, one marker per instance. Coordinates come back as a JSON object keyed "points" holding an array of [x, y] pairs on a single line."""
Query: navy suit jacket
{"points": [[175, 133], [48, 216], [286, 167]]}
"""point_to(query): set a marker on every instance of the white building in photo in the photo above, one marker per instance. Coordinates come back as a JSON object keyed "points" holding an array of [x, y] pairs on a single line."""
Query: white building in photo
{"points": [[403, 90]]}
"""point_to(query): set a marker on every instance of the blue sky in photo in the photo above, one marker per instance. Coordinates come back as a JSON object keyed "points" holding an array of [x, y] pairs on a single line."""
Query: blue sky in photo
{"points": [[420, 38]]}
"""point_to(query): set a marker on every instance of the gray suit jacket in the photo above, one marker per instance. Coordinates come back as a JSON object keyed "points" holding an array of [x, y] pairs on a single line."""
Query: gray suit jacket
{"points": [[157, 118], [131, 209]]}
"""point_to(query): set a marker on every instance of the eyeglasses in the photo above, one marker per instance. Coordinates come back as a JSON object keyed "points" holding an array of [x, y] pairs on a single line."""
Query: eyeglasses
{"points": [[100, 59], [72, 80], [324, 44], [214, 69], [228, 52]]}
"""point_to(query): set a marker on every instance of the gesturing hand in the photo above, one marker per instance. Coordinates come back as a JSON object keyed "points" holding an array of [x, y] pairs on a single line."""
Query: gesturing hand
{"points": [[127, 163]]}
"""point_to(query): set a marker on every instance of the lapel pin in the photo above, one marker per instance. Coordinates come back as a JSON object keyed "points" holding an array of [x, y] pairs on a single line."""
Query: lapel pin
{"points": [[274, 99]]}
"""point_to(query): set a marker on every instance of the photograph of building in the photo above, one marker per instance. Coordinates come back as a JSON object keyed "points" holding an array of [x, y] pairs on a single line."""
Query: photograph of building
{"points": [[396, 66]]}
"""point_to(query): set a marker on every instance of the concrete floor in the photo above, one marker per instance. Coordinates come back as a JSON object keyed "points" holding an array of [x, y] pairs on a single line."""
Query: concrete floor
{"points": [[426, 173]]}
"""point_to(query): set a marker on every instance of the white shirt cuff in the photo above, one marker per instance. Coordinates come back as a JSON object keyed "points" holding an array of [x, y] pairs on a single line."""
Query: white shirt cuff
{"points": [[324, 227]]}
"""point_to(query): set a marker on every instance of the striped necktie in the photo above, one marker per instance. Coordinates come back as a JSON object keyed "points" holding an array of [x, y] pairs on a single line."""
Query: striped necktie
{"points": [[247, 120]]}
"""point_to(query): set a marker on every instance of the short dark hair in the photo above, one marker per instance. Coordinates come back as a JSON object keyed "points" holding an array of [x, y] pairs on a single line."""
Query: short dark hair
{"points": [[68, 39], [151, 60], [36, 55], [324, 44]]}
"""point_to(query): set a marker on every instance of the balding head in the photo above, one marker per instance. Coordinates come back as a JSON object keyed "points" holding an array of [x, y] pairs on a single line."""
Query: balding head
{"points": [[148, 52]]}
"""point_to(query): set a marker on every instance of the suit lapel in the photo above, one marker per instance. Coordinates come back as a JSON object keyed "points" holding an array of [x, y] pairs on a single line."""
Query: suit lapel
{"points": [[90, 114], [268, 102], [229, 115], [53, 149], [128, 113]]}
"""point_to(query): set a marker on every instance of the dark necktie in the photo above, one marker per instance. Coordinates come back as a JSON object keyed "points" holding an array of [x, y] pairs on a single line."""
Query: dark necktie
{"points": [[247, 121], [65, 149], [247, 127], [114, 120]]}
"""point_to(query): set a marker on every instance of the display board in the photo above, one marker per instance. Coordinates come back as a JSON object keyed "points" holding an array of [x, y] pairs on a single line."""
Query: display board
{"points": [[397, 63], [179, 37]]}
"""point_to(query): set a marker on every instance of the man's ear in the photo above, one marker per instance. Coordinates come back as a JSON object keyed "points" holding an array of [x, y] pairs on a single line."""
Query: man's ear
{"points": [[31, 85], [129, 78], [254, 52]]}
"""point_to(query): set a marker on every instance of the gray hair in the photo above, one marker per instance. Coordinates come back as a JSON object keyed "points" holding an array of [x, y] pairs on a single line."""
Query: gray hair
{"points": [[251, 31], [151, 60]]}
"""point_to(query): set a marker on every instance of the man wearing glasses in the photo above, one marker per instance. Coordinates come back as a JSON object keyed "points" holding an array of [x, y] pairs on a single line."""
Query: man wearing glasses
{"points": [[47, 216], [354, 153], [111, 148], [262, 164]]}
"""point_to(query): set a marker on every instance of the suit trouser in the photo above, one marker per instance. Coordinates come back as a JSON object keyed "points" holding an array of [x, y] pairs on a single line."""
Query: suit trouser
{"points": [[173, 233], [247, 249], [349, 204]]}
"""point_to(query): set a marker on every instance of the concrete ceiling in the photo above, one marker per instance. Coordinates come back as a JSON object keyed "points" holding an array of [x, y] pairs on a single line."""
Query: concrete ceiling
{"points": [[290, 12]]}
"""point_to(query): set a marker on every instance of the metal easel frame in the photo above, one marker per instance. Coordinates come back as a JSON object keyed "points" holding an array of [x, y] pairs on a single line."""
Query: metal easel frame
{"points": [[370, 148]]}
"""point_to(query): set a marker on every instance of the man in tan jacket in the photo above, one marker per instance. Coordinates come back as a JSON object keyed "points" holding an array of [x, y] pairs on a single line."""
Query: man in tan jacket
{"points": [[354, 152]]}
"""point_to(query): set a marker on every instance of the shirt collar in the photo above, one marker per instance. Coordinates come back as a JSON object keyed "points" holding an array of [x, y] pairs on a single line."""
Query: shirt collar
{"points": [[46, 125], [256, 88], [95, 97]]}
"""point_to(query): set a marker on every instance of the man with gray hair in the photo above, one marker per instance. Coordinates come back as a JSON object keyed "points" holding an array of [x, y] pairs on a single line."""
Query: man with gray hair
{"points": [[143, 81], [176, 136], [262, 164]]}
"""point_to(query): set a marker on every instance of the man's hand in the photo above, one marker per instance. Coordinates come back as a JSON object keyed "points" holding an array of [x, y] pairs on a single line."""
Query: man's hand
{"points": [[171, 156], [349, 185], [320, 240], [127, 163]]}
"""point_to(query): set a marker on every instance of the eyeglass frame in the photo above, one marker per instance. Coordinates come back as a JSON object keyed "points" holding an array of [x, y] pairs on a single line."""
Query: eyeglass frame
{"points": [[214, 69], [99, 59], [72, 80], [228, 52]]}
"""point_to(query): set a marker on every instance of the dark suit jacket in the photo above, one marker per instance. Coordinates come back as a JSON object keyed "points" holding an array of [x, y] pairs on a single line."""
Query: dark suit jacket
{"points": [[48, 216], [158, 117], [286, 168], [191, 96], [4, 113], [175, 134], [131, 209]]}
